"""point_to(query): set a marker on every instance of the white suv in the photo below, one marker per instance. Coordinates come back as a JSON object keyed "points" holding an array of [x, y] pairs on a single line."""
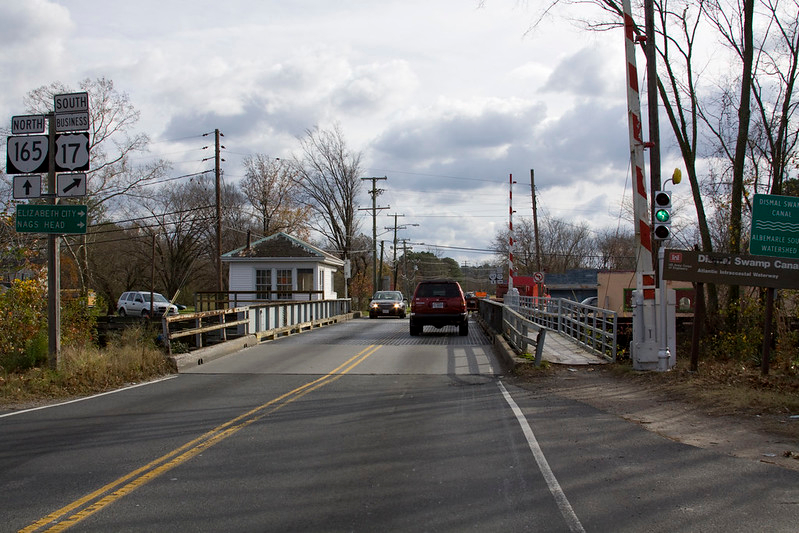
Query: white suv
{"points": [[137, 303]]}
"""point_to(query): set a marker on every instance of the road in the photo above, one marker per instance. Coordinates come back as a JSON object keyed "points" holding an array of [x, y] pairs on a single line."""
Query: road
{"points": [[359, 427]]}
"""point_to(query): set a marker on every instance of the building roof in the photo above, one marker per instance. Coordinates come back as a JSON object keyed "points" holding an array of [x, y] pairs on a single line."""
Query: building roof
{"points": [[281, 247]]}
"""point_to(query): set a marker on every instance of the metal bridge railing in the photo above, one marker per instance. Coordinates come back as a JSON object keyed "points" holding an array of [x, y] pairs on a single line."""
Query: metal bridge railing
{"points": [[591, 327]]}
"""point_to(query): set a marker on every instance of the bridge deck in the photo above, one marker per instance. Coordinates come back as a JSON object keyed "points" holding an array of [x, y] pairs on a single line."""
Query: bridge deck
{"points": [[560, 349]]}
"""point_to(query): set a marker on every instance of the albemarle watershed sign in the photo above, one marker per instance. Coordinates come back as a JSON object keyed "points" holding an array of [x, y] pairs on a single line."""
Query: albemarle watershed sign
{"points": [[731, 269], [775, 226]]}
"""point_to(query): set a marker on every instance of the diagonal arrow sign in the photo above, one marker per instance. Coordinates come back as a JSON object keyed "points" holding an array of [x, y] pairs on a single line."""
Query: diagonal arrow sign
{"points": [[75, 183], [71, 184]]}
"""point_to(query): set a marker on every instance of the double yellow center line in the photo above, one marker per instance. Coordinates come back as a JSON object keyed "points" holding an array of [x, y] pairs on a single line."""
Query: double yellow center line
{"points": [[86, 506]]}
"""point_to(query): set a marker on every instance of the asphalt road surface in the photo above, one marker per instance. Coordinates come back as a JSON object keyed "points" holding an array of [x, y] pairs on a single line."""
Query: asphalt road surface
{"points": [[360, 427]]}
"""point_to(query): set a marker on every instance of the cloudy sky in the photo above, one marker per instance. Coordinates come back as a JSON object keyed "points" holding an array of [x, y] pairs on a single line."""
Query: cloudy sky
{"points": [[446, 98]]}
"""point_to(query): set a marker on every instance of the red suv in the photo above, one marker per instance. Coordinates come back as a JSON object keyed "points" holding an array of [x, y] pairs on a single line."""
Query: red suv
{"points": [[439, 303]]}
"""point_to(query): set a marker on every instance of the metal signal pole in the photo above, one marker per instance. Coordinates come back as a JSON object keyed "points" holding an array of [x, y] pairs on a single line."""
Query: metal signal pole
{"points": [[53, 261]]}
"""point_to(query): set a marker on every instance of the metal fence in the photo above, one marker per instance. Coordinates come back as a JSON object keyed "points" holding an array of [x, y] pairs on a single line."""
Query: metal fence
{"points": [[266, 320], [591, 327]]}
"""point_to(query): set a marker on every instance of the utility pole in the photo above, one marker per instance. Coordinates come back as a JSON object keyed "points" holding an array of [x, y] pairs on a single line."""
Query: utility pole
{"points": [[405, 259], [218, 194], [395, 228], [218, 180], [374, 192], [395, 215], [535, 222]]}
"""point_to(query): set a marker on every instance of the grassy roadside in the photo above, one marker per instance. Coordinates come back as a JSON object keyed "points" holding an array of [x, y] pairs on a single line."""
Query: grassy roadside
{"points": [[718, 389], [722, 388], [130, 358]]}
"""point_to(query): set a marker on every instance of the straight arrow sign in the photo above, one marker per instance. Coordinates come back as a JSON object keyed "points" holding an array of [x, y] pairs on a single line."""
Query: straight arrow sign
{"points": [[27, 187]]}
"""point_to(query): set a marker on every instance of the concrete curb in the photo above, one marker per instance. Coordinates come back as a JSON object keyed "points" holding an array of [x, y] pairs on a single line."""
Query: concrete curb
{"points": [[204, 355]]}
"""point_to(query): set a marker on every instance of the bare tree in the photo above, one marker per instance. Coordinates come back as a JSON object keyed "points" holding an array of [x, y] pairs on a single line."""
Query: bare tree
{"points": [[328, 175], [271, 188], [564, 246], [616, 249], [772, 90], [177, 226], [112, 142]]}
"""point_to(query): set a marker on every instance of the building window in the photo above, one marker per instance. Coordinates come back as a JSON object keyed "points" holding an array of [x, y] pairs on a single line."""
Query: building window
{"points": [[322, 282], [305, 280], [263, 283], [284, 284]]}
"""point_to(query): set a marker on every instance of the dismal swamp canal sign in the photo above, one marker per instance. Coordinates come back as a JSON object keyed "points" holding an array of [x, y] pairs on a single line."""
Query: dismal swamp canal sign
{"points": [[731, 269]]}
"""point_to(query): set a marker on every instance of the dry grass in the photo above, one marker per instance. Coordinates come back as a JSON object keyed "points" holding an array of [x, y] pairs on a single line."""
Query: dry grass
{"points": [[725, 388], [131, 358]]}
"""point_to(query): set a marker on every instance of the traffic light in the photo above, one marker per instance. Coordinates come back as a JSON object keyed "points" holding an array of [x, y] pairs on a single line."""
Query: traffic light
{"points": [[662, 229]]}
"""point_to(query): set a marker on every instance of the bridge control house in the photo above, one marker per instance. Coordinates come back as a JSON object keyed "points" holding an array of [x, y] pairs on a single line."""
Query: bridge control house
{"points": [[281, 267]]}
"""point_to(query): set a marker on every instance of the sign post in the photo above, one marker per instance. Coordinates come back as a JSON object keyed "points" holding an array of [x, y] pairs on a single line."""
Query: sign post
{"points": [[734, 269], [65, 147], [775, 231]]}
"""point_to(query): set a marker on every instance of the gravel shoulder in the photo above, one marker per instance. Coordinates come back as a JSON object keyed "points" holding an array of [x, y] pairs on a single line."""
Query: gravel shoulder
{"points": [[660, 406]]}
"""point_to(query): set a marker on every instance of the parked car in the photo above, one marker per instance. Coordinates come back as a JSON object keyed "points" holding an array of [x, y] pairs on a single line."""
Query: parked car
{"points": [[438, 303], [137, 303], [387, 303]]}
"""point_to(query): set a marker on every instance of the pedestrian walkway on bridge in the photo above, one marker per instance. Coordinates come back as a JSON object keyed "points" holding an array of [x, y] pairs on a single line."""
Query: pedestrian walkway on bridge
{"points": [[559, 349]]}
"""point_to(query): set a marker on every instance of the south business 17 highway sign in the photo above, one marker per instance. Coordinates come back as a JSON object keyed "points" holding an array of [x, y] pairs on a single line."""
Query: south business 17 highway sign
{"points": [[59, 219], [775, 226]]}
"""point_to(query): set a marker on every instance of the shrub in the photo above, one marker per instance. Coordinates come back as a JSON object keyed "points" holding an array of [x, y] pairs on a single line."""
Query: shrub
{"points": [[79, 322], [23, 316]]}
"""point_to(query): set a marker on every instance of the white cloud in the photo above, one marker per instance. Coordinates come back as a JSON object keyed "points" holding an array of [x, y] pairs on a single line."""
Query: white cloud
{"points": [[444, 98]]}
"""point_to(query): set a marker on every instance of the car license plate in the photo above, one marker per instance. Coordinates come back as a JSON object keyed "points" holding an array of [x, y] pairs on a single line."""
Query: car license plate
{"points": [[438, 305], [385, 311]]}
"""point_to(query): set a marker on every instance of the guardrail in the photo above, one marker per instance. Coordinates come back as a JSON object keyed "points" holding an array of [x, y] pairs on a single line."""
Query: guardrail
{"points": [[517, 330], [591, 327], [268, 320]]}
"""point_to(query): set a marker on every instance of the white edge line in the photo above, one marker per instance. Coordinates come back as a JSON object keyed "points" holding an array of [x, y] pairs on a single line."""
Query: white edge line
{"points": [[554, 487], [13, 413]]}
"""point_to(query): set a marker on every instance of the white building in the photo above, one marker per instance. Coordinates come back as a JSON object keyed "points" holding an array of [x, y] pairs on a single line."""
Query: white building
{"points": [[281, 267]]}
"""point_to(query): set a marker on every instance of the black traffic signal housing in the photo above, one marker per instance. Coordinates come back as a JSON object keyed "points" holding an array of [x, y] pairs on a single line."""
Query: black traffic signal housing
{"points": [[662, 215]]}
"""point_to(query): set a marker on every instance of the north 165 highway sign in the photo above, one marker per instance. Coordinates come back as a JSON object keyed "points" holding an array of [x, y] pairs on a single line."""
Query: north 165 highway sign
{"points": [[26, 154]]}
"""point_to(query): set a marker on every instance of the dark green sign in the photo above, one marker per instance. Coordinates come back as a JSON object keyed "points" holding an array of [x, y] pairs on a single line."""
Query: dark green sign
{"points": [[61, 219], [775, 226]]}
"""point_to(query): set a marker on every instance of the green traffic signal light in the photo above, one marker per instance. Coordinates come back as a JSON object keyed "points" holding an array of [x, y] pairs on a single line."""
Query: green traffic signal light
{"points": [[662, 215]]}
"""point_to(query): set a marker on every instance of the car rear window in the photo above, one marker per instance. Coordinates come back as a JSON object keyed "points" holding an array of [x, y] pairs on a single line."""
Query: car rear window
{"points": [[438, 290]]}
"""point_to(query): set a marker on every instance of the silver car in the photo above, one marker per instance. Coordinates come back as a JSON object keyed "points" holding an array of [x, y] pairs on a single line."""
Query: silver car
{"points": [[387, 303], [137, 303]]}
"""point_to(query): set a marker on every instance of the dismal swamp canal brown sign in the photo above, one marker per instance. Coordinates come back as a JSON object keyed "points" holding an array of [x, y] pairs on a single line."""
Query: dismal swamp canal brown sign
{"points": [[731, 269]]}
